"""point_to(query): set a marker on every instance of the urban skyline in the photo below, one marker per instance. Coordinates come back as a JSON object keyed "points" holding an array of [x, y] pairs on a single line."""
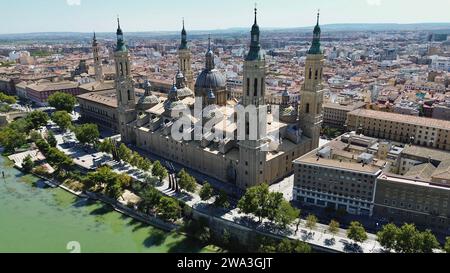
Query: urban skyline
{"points": [[94, 15]]}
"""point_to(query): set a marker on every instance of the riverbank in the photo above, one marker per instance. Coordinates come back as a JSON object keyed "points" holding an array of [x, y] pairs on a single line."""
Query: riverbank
{"points": [[37, 219]]}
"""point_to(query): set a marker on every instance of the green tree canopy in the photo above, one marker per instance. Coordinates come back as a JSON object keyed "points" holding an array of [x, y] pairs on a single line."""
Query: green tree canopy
{"points": [[286, 214], [222, 200], [408, 239], [356, 232], [159, 171], [206, 192], [11, 139], [187, 182], [125, 154], [106, 146], [62, 102], [7, 99], [87, 133], [62, 119], [311, 221], [387, 237], [27, 164], [51, 139], [333, 227], [447, 245], [37, 119], [169, 208], [150, 198], [428, 242]]}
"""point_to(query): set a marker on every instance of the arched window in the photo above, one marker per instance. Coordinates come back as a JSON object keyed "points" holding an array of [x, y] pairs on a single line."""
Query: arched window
{"points": [[121, 69], [255, 90], [307, 108], [262, 88], [248, 87], [317, 75], [129, 95], [310, 73]]}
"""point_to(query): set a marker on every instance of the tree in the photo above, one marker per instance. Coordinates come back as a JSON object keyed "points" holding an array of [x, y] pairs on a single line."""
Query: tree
{"points": [[114, 190], [256, 201], [206, 192], [428, 242], [311, 221], [35, 136], [145, 165], [387, 237], [447, 245], [62, 102], [106, 146], [169, 208], [124, 153], [42, 145], [87, 133], [101, 177], [408, 239], [135, 159], [51, 140], [27, 164], [187, 182], [150, 198], [222, 200], [7, 99], [286, 214], [21, 125], [62, 119], [356, 232], [289, 246], [333, 227], [11, 139], [58, 158], [124, 180], [37, 119], [159, 171]]}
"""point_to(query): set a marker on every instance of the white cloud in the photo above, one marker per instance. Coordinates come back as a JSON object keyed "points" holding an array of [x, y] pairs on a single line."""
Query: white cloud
{"points": [[73, 2], [373, 2]]}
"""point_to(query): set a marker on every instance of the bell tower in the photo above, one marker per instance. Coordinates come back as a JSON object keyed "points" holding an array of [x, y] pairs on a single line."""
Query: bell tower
{"points": [[252, 152], [185, 62], [97, 61], [311, 109], [124, 87]]}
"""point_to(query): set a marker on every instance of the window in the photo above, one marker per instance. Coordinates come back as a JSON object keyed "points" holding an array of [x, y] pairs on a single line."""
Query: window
{"points": [[317, 75], [255, 88], [129, 95], [248, 87], [307, 108]]}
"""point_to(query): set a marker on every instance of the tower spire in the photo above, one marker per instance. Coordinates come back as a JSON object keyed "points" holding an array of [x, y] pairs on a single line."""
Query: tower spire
{"points": [[256, 13], [118, 22], [318, 16]]}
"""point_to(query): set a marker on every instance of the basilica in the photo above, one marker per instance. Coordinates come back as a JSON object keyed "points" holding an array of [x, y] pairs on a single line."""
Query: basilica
{"points": [[147, 120]]}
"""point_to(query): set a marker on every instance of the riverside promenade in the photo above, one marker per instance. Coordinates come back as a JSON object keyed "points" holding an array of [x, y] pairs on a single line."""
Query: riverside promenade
{"points": [[318, 238]]}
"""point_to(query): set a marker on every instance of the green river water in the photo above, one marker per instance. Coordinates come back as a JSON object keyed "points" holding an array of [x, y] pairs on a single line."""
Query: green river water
{"points": [[42, 220]]}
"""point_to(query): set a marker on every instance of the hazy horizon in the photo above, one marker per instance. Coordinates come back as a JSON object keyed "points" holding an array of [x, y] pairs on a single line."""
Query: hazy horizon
{"points": [[84, 16]]}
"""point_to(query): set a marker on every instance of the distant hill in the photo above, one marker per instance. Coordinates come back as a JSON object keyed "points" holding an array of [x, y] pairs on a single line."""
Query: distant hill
{"points": [[73, 36]]}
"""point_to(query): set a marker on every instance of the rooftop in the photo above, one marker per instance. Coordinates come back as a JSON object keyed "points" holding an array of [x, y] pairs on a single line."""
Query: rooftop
{"points": [[413, 120]]}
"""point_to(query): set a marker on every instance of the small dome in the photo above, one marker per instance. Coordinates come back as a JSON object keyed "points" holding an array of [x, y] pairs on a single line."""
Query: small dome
{"points": [[148, 100]]}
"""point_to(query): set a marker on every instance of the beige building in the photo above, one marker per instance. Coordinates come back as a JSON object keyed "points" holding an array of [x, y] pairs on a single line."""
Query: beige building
{"points": [[422, 131], [219, 154], [405, 200], [335, 114]]}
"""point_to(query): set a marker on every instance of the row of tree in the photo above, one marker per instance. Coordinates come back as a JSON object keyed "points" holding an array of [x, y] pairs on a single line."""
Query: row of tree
{"points": [[264, 204], [125, 154], [17, 133], [284, 246], [407, 239]]}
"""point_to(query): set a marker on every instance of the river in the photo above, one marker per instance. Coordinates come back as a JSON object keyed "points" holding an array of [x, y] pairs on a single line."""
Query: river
{"points": [[35, 219]]}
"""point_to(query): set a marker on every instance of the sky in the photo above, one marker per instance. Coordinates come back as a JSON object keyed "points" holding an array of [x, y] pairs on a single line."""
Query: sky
{"points": [[25, 16]]}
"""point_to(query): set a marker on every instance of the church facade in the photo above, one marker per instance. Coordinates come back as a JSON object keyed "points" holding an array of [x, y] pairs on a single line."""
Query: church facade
{"points": [[219, 153]]}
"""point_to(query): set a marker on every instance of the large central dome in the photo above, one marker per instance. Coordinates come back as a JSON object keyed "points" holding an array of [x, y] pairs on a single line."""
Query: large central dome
{"points": [[211, 79]]}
